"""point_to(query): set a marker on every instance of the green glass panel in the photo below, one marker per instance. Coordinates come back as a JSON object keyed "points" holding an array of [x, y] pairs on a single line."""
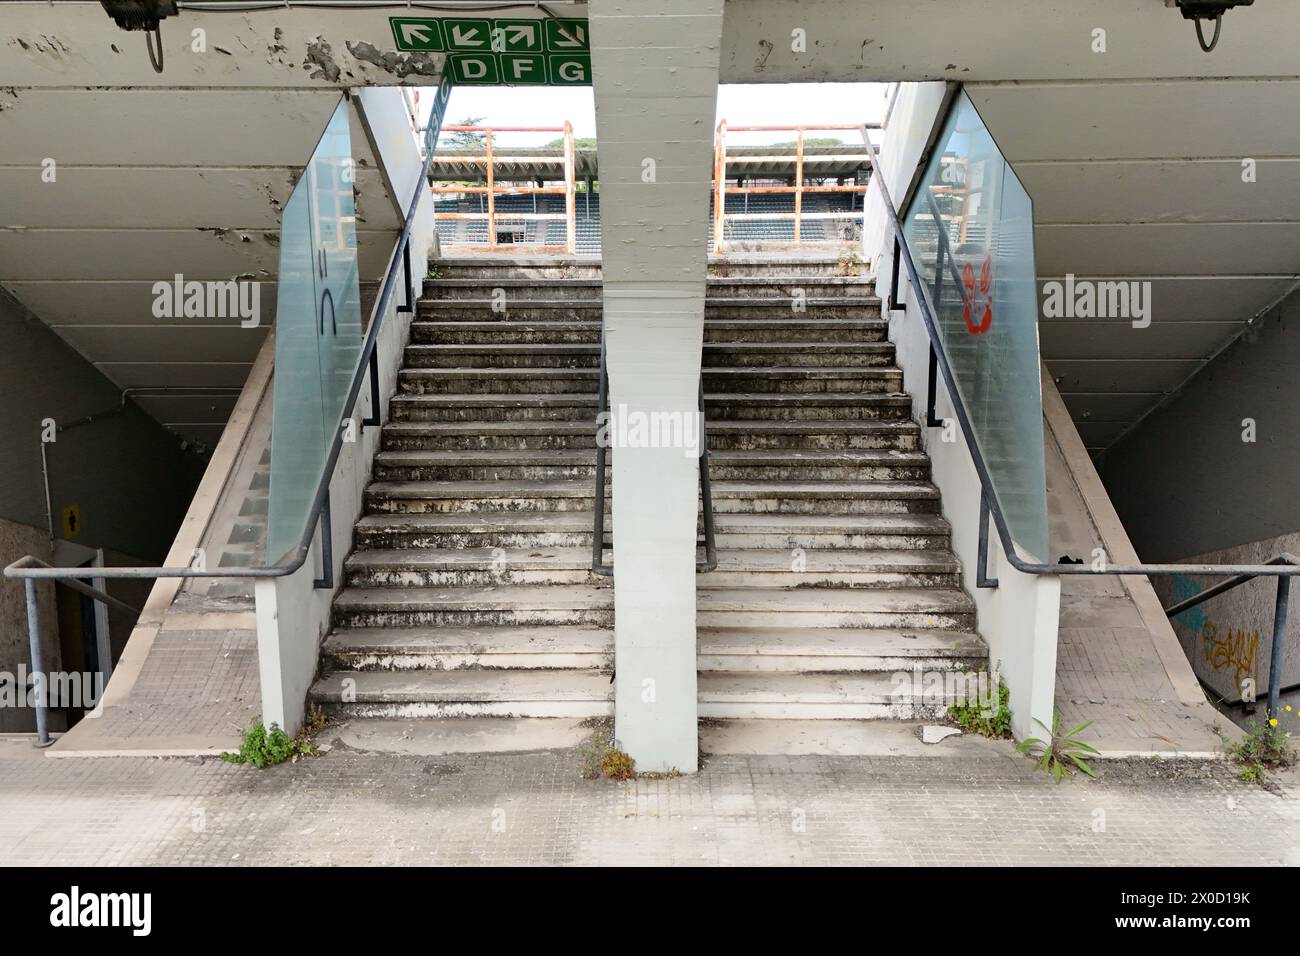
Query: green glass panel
{"points": [[317, 331], [970, 225]]}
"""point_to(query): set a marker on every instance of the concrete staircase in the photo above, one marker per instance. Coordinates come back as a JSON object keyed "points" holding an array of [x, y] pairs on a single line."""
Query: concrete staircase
{"points": [[469, 592], [836, 578]]}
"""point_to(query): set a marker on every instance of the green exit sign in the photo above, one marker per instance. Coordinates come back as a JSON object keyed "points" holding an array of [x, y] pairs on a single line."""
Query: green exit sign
{"points": [[502, 51]]}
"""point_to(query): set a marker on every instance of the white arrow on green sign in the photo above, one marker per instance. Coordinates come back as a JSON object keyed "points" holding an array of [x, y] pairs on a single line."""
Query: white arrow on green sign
{"points": [[509, 51], [420, 34]]}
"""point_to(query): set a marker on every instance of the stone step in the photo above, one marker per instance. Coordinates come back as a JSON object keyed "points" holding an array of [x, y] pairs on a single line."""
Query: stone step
{"points": [[465, 693], [452, 648], [506, 266], [763, 407], [511, 265], [771, 379], [498, 407], [925, 532], [466, 735], [794, 329], [824, 738], [488, 435], [465, 567], [797, 407], [578, 434], [566, 529], [503, 356], [811, 435], [590, 311], [860, 464], [782, 608], [788, 287], [491, 465], [502, 333], [864, 696], [729, 497], [493, 605], [857, 464], [432, 381], [828, 568], [796, 356], [420, 568], [811, 379], [799, 650]]}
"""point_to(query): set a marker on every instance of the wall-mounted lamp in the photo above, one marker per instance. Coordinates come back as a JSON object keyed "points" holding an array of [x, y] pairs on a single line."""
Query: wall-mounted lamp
{"points": [[1202, 10], [144, 15]]}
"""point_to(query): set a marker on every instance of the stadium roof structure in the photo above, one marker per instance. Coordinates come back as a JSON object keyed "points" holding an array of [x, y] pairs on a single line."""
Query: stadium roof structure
{"points": [[517, 164]]}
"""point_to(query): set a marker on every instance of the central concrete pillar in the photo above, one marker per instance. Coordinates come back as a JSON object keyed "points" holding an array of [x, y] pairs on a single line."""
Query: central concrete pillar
{"points": [[656, 85]]}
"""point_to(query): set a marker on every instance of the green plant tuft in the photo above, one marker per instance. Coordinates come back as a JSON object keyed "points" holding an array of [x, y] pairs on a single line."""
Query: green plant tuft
{"points": [[1061, 754], [601, 757], [974, 717], [262, 748], [1262, 748]]}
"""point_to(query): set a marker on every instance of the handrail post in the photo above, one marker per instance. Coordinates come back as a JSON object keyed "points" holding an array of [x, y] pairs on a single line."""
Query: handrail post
{"points": [[40, 687], [570, 224], [598, 565], [982, 579], [710, 561], [326, 581], [1279, 638], [798, 182], [491, 192], [719, 187]]}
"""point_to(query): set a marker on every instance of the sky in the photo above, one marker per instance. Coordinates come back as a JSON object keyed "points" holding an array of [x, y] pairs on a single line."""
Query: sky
{"points": [[765, 104]]}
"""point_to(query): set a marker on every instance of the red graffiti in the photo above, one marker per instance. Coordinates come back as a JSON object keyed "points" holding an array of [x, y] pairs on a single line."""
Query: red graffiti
{"points": [[978, 300]]}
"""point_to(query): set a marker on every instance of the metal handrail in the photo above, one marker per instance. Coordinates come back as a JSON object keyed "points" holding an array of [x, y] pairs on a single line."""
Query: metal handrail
{"points": [[31, 569], [721, 190], [991, 507], [598, 563], [489, 161], [1280, 607]]}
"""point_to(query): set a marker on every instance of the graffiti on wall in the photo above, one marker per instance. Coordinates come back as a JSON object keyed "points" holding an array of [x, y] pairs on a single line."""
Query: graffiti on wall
{"points": [[1235, 650]]}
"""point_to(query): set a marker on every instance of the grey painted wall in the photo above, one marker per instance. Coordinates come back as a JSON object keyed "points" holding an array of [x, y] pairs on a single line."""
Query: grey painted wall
{"points": [[131, 478], [1185, 483]]}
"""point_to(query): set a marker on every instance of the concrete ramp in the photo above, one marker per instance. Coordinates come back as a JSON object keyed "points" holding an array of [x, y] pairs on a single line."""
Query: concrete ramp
{"points": [[1119, 663]]}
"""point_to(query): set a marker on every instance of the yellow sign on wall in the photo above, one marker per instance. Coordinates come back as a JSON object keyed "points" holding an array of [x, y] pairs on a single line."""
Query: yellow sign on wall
{"points": [[71, 521]]}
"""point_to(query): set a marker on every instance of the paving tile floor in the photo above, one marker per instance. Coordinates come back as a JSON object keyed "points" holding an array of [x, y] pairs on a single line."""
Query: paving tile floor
{"points": [[357, 808]]}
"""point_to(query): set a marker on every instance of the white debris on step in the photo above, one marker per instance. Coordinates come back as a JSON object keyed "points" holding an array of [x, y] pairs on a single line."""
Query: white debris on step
{"points": [[932, 733]]}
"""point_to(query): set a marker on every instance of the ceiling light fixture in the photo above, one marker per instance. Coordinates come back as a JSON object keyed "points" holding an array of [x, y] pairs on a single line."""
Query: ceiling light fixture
{"points": [[143, 15], [1202, 10]]}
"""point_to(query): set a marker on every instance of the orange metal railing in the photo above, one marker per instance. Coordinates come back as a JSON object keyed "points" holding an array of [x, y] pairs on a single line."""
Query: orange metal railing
{"points": [[490, 159], [721, 190]]}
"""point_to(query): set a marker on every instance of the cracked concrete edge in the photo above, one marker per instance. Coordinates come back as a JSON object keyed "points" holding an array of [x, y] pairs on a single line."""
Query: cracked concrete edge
{"points": [[152, 618], [1117, 544]]}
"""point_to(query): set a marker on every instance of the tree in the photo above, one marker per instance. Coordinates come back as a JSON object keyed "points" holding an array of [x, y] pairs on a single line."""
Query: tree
{"points": [[466, 140], [583, 142]]}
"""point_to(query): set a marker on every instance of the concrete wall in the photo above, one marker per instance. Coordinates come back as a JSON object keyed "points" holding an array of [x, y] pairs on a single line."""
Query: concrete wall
{"points": [[1019, 618], [1184, 480], [130, 477], [292, 615], [1191, 489], [656, 94], [17, 540]]}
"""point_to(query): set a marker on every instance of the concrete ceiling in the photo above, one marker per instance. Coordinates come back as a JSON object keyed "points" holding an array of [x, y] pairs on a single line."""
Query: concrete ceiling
{"points": [[1142, 180], [1133, 158], [186, 177]]}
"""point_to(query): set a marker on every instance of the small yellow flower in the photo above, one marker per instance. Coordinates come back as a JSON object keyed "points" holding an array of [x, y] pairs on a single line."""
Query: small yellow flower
{"points": [[1288, 708], [1272, 721]]}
